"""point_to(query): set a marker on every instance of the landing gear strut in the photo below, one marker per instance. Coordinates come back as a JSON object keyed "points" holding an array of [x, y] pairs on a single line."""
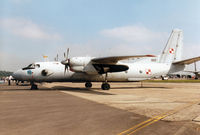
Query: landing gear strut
{"points": [[88, 85], [33, 86], [105, 85]]}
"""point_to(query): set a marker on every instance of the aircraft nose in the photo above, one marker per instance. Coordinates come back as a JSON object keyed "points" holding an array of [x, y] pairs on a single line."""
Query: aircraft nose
{"points": [[17, 75]]}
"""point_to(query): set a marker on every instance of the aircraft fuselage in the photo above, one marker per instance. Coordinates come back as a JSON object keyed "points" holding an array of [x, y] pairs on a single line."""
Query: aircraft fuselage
{"points": [[54, 72]]}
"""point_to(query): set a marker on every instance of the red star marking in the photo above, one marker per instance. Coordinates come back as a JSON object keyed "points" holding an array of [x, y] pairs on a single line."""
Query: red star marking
{"points": [[171, 50]]}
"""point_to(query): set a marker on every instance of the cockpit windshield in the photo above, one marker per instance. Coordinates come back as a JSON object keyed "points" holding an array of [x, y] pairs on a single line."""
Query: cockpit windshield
{"points": [[31, 66]]}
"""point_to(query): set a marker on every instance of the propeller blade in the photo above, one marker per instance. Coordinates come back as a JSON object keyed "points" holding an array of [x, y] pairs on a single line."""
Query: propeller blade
{"points": [[67, 53], [66, 62], [65, 69]]}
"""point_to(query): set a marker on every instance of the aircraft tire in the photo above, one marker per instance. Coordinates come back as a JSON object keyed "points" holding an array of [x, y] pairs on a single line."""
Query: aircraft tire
{"points": [[88, 85], [105, 86]]}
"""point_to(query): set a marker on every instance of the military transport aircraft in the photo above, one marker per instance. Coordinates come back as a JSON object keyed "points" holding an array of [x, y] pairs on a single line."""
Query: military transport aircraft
{"points": [[107, 69]]}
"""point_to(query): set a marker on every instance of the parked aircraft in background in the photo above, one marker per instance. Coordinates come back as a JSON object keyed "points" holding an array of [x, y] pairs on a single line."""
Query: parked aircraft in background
{"points": [[107, 69], [195, 72], [181, 74]]}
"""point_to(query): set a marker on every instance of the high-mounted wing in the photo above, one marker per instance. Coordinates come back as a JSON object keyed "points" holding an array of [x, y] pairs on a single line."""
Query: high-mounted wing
{"points": [[109, 64], [115, 59], [188, 61], [104, 68]]}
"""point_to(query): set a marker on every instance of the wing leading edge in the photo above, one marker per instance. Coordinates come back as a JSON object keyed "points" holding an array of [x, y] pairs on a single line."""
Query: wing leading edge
{"points": [[115, 59]]}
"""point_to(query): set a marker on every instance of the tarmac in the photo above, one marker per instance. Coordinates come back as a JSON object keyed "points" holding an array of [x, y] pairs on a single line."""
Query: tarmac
{"points": [[126, 109]]}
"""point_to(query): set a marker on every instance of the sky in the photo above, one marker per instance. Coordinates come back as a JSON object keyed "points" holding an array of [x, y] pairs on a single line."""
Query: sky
{"points": [[30, 29]]}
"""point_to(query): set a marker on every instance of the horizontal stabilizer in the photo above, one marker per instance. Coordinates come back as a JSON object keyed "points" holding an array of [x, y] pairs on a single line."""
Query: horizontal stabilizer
{"points": [[192, 71], [187, 61], [115, 59]]}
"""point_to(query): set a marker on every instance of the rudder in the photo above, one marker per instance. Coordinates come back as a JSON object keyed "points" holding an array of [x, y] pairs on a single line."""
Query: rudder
{"points": [[173, 49]]}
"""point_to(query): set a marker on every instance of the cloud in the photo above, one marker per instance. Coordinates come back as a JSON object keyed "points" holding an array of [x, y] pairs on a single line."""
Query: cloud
{"points": [[134, 33], [26, 29]]}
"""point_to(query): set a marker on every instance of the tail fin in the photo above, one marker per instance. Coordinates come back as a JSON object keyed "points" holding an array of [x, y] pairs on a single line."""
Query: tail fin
{"points": [[173, 49]]}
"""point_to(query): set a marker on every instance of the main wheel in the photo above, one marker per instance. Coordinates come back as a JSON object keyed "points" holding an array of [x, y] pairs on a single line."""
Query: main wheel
{"points": [[88, 84], [105, 86]]}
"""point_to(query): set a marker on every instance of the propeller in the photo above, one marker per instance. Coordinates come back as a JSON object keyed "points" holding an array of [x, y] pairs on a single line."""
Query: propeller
{"points": [[56, 58], [66, 62]]}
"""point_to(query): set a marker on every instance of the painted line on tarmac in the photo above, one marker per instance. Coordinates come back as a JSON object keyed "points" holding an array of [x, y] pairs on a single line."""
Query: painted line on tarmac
{"points": [[157, 118]]}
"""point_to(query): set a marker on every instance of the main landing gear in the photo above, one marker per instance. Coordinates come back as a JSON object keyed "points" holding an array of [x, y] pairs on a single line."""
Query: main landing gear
{"points": [[88, 85], [33, 86], [105, 85]]}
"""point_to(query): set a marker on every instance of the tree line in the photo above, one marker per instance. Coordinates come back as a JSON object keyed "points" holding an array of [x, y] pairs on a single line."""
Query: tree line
{"points": [[5, 73]]}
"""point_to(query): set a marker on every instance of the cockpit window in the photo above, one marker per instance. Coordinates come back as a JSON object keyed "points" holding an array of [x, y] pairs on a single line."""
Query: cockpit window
{"points": [[31, 66]]}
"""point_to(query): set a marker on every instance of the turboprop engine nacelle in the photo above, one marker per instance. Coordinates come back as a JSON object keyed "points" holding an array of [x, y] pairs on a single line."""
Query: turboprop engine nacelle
{"points": [[77, 64]]}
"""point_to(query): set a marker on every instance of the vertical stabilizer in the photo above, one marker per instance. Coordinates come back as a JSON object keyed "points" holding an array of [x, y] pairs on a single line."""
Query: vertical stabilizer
{"points": [[173, 49]]}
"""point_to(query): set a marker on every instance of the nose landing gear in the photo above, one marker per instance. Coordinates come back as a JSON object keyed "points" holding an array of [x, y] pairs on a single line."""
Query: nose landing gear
{"points": [[33, 86]]}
